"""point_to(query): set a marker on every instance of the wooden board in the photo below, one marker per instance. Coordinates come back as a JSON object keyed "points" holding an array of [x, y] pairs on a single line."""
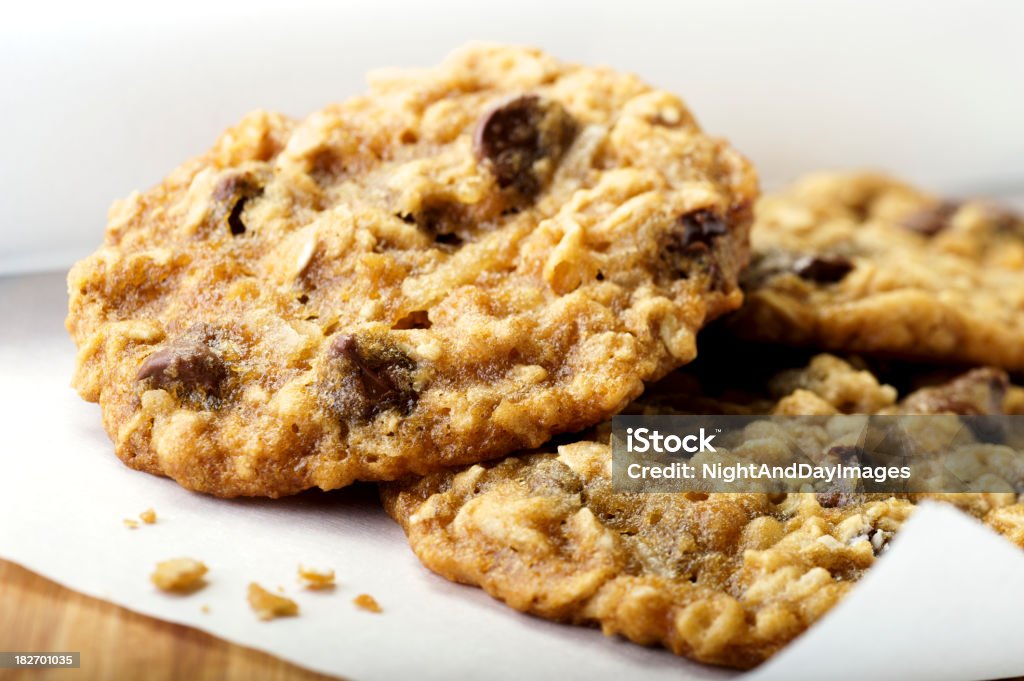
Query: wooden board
{"points": [[38, 615]]}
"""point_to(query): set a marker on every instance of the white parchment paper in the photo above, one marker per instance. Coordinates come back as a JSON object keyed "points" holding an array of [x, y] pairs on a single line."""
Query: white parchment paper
{"points": [[944, 603]]}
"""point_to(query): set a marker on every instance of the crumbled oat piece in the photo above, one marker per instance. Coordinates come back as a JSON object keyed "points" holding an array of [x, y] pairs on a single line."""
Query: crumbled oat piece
{"points": [[316, 579], [367, 602], [148, 516], [267, 605], [131, 524], [182, 575]]}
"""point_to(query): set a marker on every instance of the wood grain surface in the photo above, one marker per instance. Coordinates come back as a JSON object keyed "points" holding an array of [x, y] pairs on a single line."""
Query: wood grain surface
{"points": [[37, 615]]}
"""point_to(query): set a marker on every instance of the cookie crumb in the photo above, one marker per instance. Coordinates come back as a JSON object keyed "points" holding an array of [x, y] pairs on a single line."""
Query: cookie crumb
{"points": [[179, 575], [367, 602], [267, 606], [205, 609], [148, 516], [131, 524], [316, 579]]}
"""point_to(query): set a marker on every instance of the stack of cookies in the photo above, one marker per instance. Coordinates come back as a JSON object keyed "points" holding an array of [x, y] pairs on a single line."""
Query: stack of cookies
{"points": [[423, 285]]}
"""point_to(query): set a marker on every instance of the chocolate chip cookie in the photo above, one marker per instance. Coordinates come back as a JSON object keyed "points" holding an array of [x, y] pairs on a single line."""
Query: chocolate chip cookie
{"points": [[863, 263], [457, 264], [726, 579]]}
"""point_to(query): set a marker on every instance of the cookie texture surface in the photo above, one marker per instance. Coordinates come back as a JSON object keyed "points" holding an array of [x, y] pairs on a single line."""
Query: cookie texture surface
{"points": [[458, 264], [863, 263], [726, 579]]}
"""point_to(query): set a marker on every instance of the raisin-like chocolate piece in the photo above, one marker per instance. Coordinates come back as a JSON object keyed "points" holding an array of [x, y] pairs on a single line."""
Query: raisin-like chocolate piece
{"points": [[932, 220], [823, 269], [440, 219], [699, 229], [229, 199], [375, 377], [833, 499], [837, 498], [688, 242], [978, 392], [186, 364], [522, 139]]}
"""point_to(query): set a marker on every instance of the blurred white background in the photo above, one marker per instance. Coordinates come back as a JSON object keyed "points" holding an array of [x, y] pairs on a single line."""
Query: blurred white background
{"points": [[101, 98]]}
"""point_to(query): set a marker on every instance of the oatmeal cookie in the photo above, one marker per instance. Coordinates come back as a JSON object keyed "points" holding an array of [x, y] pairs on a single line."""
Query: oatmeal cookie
{"points": [[726, 579], [458, 264], [863, 263]]}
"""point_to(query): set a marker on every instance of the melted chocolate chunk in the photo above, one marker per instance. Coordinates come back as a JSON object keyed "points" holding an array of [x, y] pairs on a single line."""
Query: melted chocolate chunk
{"points": [[700, 228], [688, 243], [452, 241], [187, 364], [440, 219], [932, 220], [516, 134], [229, 198], [377, 377], [823, 269]]}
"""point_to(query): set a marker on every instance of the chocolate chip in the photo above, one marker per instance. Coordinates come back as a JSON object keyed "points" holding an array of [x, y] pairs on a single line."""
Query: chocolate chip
{"points": [[700, 228], [441, 219], [515, 135], [931, 220], [824, 269], [375, 376], [235, 223], [837, 498], [450, 240], [978, 392], [833, 499], [186, 364], [977, 397], [688, 242], [229, 199]]}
